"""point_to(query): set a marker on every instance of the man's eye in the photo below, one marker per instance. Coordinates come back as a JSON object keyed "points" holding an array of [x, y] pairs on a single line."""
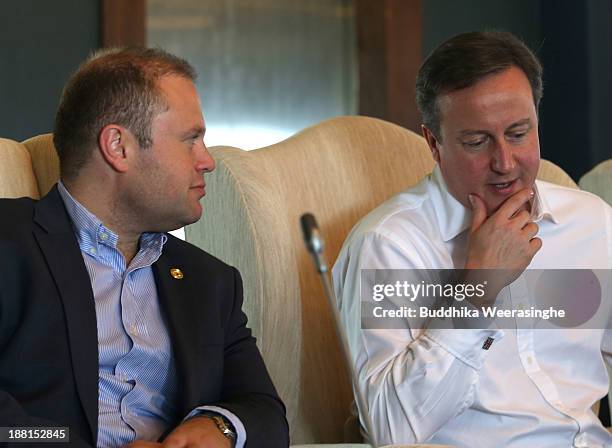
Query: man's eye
{"points": [[517, 135], [475, 144]]}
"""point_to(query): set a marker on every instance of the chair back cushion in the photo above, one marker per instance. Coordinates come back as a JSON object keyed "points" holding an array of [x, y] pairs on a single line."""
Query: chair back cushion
{"points": [[44, 161], [16, 175], [599, 181], [554, 174]]}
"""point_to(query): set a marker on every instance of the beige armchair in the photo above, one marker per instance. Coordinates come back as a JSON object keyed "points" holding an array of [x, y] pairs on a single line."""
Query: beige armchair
{"points": [[339, 170], [45, 162], [599, 181], [29, 168]]}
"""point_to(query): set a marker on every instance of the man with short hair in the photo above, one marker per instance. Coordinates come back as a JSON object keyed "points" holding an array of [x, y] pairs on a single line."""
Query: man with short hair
{"points": [[110, 326], [481, 208]]}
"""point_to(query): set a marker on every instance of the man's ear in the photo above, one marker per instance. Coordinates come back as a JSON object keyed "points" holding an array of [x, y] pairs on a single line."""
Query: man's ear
{"points": [[113, 143], [432, 142]]}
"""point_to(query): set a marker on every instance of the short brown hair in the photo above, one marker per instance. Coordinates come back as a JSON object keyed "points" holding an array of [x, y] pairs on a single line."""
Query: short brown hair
{"points": [[464, 60], [113, 86]]}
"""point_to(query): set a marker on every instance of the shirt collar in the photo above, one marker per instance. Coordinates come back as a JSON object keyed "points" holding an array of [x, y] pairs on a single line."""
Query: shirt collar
{"points": [[453, 218], [91, 233], [542, 208]]}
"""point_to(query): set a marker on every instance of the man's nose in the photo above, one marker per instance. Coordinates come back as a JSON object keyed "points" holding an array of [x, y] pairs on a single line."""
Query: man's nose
{"points": [[503, 158], [205, 161]]}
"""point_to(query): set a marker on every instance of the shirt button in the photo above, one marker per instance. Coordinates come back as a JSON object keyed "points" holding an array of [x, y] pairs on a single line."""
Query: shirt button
{"points": [[529, 360], [134, 328], [104, 236], [580, 440], [93, 250]]}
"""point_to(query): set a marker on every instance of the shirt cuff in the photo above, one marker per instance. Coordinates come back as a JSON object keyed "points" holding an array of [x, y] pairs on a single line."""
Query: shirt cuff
{"points": [[470, 346], [238, 426]]}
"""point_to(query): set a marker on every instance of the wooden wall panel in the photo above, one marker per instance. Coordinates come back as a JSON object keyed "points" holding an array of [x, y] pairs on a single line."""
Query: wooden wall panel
{"points": [[389, 36], [123, 23]]}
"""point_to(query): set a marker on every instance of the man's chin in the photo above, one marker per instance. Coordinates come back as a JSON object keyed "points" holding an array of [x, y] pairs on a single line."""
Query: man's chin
{"points": [[193, 217], [177, 223]]}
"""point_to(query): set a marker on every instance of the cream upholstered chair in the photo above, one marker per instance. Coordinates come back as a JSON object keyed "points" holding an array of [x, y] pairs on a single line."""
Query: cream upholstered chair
{"points": [[339, 170], [552, 173], [45, 162], [29, 168], [599, 181], [16, 173]]}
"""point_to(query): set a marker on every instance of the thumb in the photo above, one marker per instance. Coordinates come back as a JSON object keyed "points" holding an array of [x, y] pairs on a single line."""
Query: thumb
{"points": [[479, 212]]}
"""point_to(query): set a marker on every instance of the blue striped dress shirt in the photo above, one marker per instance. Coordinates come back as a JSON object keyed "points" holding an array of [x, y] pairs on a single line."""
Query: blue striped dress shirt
{"points": [[137, 377]]}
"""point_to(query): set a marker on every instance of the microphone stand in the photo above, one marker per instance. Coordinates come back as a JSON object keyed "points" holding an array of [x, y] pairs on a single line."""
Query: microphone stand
{"points": [[315, 245]]}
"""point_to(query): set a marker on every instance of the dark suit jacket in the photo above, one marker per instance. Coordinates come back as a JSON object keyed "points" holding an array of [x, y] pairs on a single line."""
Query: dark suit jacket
{"points": [[48, 336]]}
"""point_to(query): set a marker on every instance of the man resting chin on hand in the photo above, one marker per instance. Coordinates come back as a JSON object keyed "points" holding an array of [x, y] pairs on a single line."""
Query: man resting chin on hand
{"points": [[481, 209]]}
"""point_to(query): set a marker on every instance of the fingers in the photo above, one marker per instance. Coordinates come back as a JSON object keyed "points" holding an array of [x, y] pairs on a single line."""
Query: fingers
{"points": [[515, 202], [535, 245], [521, 219], [479, 212], [530, 230]]}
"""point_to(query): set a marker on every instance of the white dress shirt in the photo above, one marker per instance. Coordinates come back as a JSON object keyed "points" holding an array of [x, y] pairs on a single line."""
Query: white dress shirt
{"points": [[532, 387]]}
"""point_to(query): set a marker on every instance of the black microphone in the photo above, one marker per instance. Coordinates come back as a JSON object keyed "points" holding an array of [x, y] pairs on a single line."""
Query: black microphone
{"points": [[310, 230], [314, 241]]}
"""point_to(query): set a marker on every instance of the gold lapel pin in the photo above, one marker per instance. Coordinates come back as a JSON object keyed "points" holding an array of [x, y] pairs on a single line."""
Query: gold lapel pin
{"points": [[176, 273]]}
